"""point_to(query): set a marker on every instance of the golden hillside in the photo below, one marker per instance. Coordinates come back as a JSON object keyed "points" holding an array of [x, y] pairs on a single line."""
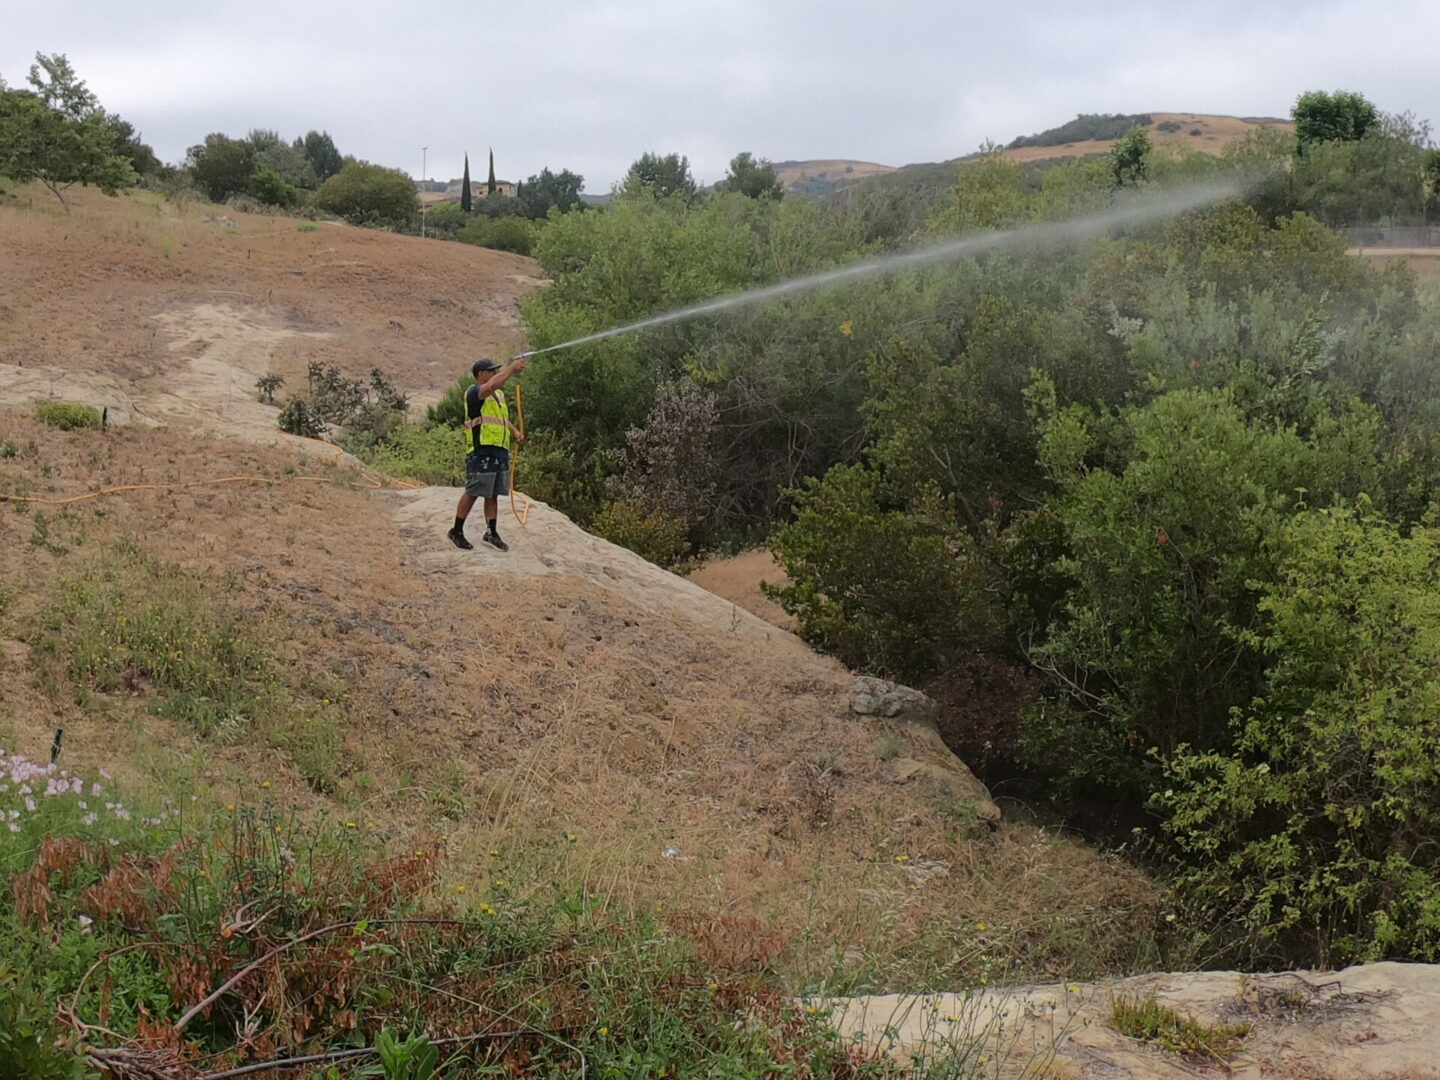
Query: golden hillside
{"points": [[1202, 132]]}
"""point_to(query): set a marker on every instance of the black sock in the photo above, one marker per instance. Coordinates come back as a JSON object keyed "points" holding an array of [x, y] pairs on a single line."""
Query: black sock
{"points": [[491, 523], [460, 526]]}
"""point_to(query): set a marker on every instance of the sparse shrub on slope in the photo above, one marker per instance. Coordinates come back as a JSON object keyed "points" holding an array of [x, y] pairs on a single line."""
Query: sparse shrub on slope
{"points": [[139, 625], [298, 418], [650, 533], [176, 932]]}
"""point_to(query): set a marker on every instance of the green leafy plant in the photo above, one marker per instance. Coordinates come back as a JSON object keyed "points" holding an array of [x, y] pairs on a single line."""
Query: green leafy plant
{"points": [[411, 1059], [298, 418], [267, 384], [652, 534], [68, 416], [1304, 837], [1147, 1019], [32, 1044]]}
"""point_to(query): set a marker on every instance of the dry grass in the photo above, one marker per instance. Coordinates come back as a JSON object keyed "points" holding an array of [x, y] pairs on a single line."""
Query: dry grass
{"points": [[738, 578], [512, 717]]}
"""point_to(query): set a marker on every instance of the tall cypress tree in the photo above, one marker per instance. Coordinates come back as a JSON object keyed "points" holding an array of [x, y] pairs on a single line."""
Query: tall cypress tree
{"points": [[465, 203], [490, 184]]}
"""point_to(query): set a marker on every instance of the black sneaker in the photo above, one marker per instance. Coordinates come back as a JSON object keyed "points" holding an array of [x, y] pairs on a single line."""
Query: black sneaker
{"points": [[458, 539], [493, 539]]}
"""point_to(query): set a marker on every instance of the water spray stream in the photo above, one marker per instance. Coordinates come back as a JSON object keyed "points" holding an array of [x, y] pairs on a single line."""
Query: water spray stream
{"points": [[1135, 211]]}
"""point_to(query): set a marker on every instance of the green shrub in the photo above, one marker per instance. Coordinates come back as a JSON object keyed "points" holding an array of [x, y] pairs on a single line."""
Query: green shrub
{"points": [[552, 469], [655, 535], [365, 194], [270, 188], [1168, 126], [267, 384], [306, 226], [68, 416], [432, 455], [33, 1046], [1147, 1019], [1166, 511], [298, 418], [449, 411], [885, 590], [9, 450], [515, 234], [1310, 840]]}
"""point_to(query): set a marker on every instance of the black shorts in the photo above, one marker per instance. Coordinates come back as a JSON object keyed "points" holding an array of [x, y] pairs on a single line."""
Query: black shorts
{"points": [[487, 473]]}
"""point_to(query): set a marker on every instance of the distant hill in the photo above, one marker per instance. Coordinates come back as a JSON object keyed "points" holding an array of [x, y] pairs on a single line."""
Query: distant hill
{"points": [[1087, 134], [818, 178]]}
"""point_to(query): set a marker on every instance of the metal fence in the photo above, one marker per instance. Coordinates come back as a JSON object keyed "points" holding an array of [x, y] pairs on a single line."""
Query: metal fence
{"points": [[1392, 236]]}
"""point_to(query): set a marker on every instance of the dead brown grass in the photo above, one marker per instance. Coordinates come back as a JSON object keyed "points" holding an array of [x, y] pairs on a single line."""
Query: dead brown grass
{"points": [[507, 717], [738, 578]]}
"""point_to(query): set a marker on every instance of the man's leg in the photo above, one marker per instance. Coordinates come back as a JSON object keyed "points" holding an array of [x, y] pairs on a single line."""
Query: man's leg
{"points": [[492, 520], [457, 532]]}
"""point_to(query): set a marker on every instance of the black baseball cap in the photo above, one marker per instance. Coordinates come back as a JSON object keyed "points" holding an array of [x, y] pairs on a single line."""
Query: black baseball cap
{"points": [[483, 364]]}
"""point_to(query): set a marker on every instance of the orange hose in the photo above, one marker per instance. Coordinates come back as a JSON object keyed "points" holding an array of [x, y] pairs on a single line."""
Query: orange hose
{"points": [[515, 453]]}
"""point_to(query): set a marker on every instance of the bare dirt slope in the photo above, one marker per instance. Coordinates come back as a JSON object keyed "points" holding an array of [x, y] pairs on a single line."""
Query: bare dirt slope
{"points": [[834, 170], [171, 314], [1424, 261]]}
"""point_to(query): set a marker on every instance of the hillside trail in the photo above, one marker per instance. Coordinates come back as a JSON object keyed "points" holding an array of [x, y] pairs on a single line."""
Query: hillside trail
{"points": [[549, 544]]}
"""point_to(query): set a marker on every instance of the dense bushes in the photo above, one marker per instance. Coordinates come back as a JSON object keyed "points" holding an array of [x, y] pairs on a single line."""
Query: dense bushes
{"points": [[1122, 466], [515, 234], [1314, 836]]}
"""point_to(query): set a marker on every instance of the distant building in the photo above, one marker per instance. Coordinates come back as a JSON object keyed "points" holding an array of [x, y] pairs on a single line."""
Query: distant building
{"points": [[478, 189]]}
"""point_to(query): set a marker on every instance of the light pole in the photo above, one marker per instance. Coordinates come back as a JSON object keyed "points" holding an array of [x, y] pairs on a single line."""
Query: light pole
{"points": [[424, 150]]}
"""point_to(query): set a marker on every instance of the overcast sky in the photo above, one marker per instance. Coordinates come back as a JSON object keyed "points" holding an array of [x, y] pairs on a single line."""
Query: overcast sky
{"points": [[591, 84]]}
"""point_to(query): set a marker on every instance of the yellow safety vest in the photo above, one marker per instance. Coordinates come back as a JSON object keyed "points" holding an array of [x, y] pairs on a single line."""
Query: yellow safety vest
{"points": [[493, 428]]}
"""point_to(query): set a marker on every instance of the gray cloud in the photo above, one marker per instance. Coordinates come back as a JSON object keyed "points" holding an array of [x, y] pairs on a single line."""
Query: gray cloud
{"points": [[591, 84]]}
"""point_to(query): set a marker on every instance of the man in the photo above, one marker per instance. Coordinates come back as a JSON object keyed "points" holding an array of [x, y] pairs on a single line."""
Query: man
{"points": [[488, 438]]}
